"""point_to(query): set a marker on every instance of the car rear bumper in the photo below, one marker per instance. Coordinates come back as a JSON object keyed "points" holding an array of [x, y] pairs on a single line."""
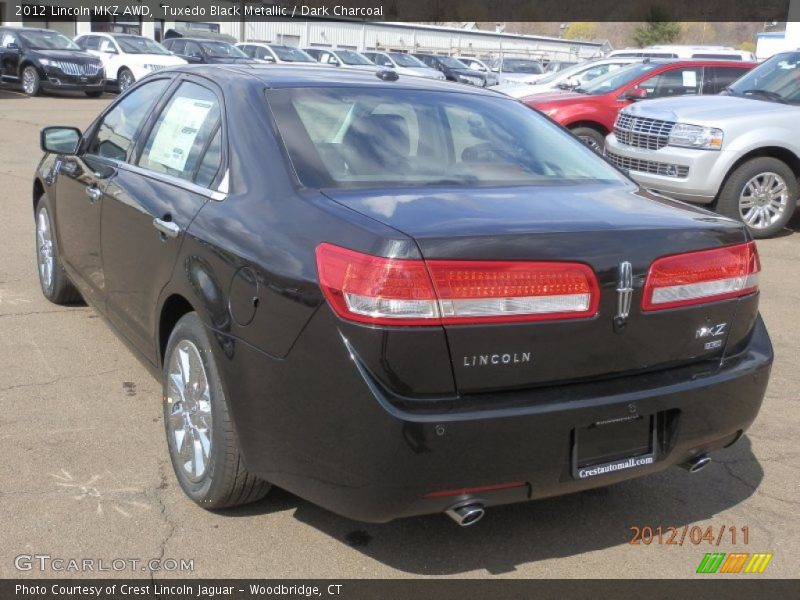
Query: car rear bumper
{"points": [[317, 424], [682, 173]]}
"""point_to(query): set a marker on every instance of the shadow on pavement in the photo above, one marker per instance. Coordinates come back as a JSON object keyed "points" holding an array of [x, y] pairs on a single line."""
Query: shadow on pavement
{"points": [[539, 530]]}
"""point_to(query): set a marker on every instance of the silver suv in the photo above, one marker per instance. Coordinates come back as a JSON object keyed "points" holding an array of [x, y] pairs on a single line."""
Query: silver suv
{"points": [[738, 152]]}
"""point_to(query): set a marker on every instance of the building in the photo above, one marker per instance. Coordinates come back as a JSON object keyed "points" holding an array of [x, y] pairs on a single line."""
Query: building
{"points": [[323, 33]]}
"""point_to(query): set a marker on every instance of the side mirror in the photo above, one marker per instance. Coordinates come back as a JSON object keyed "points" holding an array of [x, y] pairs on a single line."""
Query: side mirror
{"points": [[496, 69], [60, 140], [634, 94], [12, 46], [269, 59], [194, 59]]}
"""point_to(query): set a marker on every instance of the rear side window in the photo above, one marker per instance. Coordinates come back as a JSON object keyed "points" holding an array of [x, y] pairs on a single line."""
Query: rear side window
{"points": [[347, 138], [184, 135], [718, 78], [114, 137]]}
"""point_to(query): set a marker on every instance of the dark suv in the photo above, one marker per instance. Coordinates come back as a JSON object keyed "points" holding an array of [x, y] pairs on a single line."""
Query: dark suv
{"points": [[46, 59], [453, 69]]}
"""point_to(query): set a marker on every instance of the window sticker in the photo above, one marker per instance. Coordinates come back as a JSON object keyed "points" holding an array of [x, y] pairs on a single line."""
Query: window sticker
{"points": [[177, 132], [690, 79]]}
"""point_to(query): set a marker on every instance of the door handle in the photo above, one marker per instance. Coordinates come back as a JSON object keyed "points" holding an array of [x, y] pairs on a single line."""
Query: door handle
{"points": [[94, 193], [167, 228]]}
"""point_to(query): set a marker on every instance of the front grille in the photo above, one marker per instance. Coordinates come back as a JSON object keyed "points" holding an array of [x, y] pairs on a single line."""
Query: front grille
{"points": [[79, 69], [642, 132], [648, 166]]}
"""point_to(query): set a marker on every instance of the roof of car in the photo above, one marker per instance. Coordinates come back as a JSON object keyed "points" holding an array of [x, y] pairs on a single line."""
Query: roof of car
{"points": [[17, 28], [280, 76]]}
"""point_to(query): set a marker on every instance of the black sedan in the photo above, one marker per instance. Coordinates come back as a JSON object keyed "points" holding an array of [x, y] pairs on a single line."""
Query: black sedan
{"points": [[206, 52], [394, 297]]}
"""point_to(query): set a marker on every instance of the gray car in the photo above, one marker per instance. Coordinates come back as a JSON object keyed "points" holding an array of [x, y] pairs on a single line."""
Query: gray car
{"points": [[404, 64], [738, 152]]}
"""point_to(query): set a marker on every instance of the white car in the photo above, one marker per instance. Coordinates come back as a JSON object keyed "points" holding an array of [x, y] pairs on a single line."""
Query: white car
{"points": [[567, 79], [404, 64], [517, 70], [127, 58], [276, 53], [478, 65], [347, 59]]}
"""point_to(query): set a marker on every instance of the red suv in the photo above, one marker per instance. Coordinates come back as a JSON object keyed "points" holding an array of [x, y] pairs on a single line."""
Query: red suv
{"points": [[590, 111]]}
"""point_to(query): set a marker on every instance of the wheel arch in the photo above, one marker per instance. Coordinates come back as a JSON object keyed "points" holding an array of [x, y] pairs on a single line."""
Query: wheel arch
{"points": [[38, 192], [29, 63], [598, 127], [778, 152], [174, 307]]}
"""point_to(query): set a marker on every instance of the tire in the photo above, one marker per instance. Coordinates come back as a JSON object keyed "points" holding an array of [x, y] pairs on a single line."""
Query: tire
{"points": [[591, 137], [93, 94], [54, 281], [125, 79], [761, 193], [214, 475], [31, 82]]}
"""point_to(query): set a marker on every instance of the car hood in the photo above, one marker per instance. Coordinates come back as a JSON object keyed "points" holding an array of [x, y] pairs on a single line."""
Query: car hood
{"points": [[707, 109], [70, 55], [468, 73], [557, 97], [522, 77]]}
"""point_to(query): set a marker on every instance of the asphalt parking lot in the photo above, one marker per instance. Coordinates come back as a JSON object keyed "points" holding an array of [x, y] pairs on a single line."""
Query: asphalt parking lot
{"points": [[85, 472]]}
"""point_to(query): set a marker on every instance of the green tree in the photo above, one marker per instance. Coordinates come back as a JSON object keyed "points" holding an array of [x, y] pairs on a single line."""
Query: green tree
{"points": [[581, 31], [657, 29], [747, 46]]}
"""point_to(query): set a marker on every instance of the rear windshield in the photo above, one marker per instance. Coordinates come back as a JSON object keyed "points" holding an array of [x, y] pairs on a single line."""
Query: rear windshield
{"points": [[291, 54], [347, 137], [519, 65]]}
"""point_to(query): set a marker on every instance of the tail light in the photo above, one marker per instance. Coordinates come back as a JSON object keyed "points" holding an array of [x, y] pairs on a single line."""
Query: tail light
{"points": [[385, 291], [701, 277]]}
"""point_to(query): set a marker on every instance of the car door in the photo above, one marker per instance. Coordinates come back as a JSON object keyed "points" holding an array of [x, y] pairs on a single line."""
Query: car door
{"points": [[111, 56], [152, 200], [9, 54], [679, 81], [83, 179]]}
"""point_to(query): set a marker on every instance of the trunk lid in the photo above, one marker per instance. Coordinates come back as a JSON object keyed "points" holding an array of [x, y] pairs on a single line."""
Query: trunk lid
{"points": [[600, 225]]}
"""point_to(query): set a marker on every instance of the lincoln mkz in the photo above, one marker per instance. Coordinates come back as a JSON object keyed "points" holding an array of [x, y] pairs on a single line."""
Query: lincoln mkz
{"points": [[392, 296]]}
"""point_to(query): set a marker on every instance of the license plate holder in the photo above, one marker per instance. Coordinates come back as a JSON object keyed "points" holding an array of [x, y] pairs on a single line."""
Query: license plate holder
{"points": [[607, 447]]}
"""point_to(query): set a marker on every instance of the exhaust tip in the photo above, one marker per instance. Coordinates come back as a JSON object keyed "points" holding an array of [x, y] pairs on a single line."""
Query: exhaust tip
{"points": [[466, 514], [698, 463]]}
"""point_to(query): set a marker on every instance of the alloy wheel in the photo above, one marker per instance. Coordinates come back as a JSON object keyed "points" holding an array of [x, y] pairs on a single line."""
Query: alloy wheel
{"points": [[189, 410], [763, 200], [125, 81], [28, 81], [44, 249]]}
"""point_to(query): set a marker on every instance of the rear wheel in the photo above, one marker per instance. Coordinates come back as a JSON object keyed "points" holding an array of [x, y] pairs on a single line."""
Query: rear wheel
{"points": [[201, 437], [762, 193], [125, 79], [591, 137], [31, 82], [55, 283]]}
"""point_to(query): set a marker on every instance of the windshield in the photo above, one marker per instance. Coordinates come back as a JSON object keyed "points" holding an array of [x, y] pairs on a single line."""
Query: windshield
{"points": [[349, 57], [134, 44], [564, 73], [776, 79], [352, 137], [221, 50], [291, 54], [405, 60], [521, 65], [616, 79], [451, 63], [47, 40]]}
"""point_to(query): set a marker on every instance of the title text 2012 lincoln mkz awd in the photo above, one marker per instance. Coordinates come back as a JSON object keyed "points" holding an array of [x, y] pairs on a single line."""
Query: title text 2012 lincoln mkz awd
{"points": [[394, 296]]}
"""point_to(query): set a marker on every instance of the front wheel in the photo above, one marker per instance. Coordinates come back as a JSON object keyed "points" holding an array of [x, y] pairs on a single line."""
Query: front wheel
{"points": [[201, 437], [54, 281], [31, 82], [591, 137], [125, 79], [762, 193]]}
